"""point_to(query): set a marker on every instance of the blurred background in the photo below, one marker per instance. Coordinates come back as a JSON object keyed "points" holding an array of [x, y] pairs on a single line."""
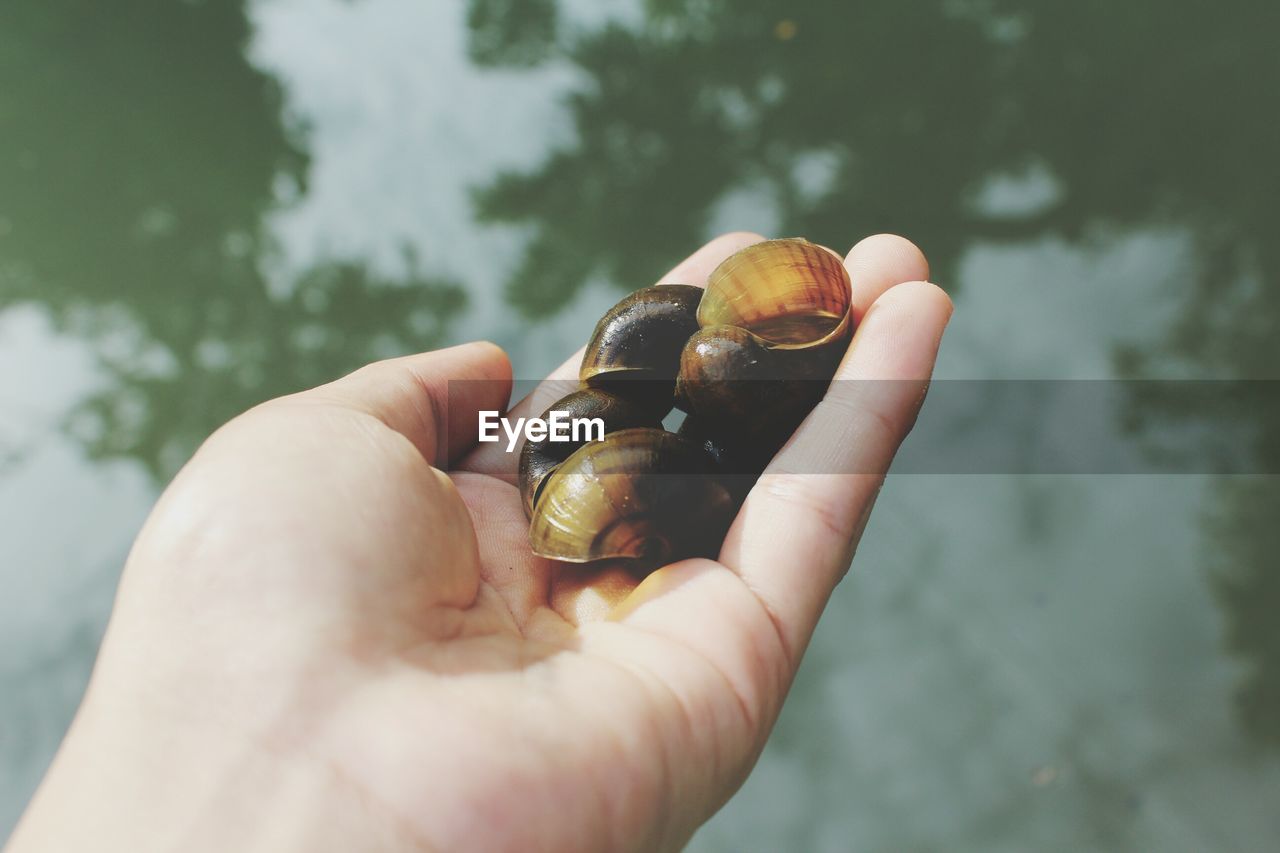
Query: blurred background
{"points": [[204, 204]]}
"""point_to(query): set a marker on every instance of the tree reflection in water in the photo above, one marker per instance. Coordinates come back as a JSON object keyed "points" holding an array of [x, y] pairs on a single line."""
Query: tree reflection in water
{"points": [[139, 155]]}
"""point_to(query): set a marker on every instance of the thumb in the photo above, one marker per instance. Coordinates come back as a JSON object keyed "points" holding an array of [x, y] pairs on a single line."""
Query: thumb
{"points": [[432, 398]]}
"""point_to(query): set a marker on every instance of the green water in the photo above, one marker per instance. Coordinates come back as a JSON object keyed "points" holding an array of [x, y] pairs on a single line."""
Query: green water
{"points": [[204, 204]]}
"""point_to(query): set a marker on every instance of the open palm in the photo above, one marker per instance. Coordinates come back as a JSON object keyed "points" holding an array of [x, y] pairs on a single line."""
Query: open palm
{"points": [[331, 644]]}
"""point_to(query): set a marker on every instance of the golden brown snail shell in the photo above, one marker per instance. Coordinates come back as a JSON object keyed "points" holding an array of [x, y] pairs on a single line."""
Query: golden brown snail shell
{"points": [[790, 293], [775, 321], [635, 348], [641, 494], [539, 458]]}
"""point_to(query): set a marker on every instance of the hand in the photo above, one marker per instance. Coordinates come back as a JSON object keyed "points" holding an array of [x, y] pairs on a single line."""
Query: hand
{"points": [[323, 642]]}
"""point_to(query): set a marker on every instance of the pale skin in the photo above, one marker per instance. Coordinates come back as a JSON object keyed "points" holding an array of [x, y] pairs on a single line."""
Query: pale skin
{"points": [[330, 636]]}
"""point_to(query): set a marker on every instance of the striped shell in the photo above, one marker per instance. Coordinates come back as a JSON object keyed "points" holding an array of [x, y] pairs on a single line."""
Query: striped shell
{"points": [[539, 458], [643, 494], [791, 293]]}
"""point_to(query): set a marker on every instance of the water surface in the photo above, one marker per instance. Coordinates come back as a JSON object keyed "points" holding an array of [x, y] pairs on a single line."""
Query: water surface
{"points": [[203, 205]]}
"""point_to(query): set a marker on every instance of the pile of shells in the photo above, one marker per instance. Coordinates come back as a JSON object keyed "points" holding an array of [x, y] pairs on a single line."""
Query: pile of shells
{"points": [[746, 359]]}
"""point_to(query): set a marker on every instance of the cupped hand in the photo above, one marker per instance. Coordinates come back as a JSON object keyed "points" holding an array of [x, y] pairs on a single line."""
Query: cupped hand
{"points": [[330, 635]]}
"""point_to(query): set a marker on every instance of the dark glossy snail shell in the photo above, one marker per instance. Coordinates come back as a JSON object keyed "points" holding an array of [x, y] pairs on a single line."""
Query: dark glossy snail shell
{"points": [[635, 348], [774, 323], [739, 460]]}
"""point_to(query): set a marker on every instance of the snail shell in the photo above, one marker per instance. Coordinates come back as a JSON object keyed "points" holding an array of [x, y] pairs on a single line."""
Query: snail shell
{"points": [[792, 294], [739, 460], [735, 384], [775, 320], [635, 348], [641, 494], [539, 458]]}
